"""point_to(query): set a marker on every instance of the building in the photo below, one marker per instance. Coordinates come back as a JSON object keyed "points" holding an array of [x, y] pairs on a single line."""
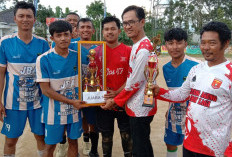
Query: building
{"points": [[7, 24]]}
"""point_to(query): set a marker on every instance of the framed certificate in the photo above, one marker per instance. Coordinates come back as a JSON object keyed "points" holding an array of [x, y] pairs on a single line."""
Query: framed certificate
{"points": [[92, 72]]}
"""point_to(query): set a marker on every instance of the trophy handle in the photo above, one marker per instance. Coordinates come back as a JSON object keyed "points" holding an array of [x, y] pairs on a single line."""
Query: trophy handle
{"points": [[145, 69]]}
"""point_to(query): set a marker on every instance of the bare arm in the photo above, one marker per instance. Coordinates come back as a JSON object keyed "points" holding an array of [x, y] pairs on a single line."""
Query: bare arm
{"points": [[112, 93], [2, 82], [49, 92]]}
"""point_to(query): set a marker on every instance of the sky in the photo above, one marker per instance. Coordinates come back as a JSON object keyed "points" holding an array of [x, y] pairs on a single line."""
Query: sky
{"points": [[115, 7]]}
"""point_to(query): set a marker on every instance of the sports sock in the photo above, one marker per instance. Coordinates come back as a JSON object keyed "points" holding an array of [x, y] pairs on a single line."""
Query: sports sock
{"points": [[86, 137], [94, 141], [172, 153]]}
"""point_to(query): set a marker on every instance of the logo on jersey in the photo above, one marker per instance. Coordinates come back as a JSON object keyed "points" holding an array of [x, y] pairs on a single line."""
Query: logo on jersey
{"points": [[75, 68], [194, 79], [216, 83], [123, 59], [38, 54], [184, 78]]}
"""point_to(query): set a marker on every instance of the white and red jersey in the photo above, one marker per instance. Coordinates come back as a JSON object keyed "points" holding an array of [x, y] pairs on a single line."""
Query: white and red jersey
{"points": [[117, 65], [133, 93], [209, 114]]}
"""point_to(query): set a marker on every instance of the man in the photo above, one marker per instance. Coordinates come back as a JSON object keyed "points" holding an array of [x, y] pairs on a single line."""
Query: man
{"points": [[86, 30], [132, 95], [57, 75], [18, 53], [208, 87], [175, 73], [73, 19], [117, 64]]}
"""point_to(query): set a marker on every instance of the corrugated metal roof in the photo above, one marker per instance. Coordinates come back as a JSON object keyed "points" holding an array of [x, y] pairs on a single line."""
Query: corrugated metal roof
{"points": [[7, 16]]}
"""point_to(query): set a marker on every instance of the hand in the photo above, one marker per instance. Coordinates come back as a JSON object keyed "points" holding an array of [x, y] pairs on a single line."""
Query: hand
{"points": [[110, 94], [78, 104], [2, 112], [155, 89], [110, 104]]}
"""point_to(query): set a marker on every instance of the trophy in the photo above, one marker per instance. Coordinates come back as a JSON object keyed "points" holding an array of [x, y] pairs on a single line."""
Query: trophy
{"points": [[92, 72], [151, 72], [92, 67]]}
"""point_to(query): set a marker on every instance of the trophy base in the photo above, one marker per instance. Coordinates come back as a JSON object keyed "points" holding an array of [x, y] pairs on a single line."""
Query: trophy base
{"points": [[148, 101]]}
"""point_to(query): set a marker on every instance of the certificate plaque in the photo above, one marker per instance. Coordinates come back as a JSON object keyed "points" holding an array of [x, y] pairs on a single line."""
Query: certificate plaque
{"points": [[92, 72]]}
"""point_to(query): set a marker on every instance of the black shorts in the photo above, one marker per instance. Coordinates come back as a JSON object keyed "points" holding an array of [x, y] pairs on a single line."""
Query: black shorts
{"points": [[188, 153], [105, 120]]}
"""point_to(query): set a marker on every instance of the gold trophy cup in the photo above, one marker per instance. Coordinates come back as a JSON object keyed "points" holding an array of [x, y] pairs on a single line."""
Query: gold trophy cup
{"points": [[151, 72], [92, 83]]}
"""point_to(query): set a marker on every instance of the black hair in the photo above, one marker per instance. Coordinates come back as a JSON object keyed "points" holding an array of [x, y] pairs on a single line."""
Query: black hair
{"points": [[140, 14], [73, 13], [60, 26], [111, 19], [85, 20], [24, 5], [175, 34], [222, 29]]}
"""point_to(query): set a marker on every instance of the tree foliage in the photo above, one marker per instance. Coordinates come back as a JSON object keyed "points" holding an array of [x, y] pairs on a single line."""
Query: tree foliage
{"points": [[95, 11], [192, 14]]}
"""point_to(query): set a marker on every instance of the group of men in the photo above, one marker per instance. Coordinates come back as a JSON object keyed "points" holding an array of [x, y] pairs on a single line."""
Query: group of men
{"points": [[41, 86]]}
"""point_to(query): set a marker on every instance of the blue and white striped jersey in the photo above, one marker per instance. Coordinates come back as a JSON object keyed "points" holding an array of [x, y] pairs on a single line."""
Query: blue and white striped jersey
{"points": [[62, 74], [21, 90], [174, 78]]}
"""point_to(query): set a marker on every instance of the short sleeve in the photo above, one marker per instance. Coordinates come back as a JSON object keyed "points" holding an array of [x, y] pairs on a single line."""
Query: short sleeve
{"points": [[42, 74], [3, 59]]}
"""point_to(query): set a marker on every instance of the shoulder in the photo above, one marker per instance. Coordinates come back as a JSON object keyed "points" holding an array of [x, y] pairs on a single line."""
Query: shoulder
{"points": [[39, 38], [7, 37], [126, 48], [145, 44], [192, 60], [45, 55], [167, 65]]}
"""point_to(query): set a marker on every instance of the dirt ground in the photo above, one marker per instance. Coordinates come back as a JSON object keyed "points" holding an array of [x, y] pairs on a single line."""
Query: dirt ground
{"points": [[26, 146]]}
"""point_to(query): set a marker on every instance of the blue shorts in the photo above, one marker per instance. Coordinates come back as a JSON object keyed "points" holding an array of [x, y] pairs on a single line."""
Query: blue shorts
{"points": [[89, 114], [173, 138], [54, 133], [14, 123]]}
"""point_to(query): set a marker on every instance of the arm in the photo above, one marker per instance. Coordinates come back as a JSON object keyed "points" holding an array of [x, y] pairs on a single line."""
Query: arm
{"points": [[178, 95], [112, 94], [2, 82], [49, 92], [44, 80], [133, 83], [3, 62]]}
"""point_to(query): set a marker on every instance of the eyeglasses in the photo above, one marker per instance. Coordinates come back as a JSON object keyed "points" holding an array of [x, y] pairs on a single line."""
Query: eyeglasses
{"points": [[129, 23]]}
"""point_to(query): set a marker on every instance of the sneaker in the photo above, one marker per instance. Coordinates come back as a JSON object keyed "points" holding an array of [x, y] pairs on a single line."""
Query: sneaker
{"points": [[62, 150], [86, 147], [93, 155]]}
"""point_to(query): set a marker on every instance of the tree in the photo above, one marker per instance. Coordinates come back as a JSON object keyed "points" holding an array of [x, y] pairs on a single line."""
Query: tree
{"points": [[2, 5], [95, 11], [59, 13], [42, 14]]}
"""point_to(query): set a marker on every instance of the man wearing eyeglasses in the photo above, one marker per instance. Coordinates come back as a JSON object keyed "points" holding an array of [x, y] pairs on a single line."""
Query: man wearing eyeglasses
{"points": [[133, 94]]}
